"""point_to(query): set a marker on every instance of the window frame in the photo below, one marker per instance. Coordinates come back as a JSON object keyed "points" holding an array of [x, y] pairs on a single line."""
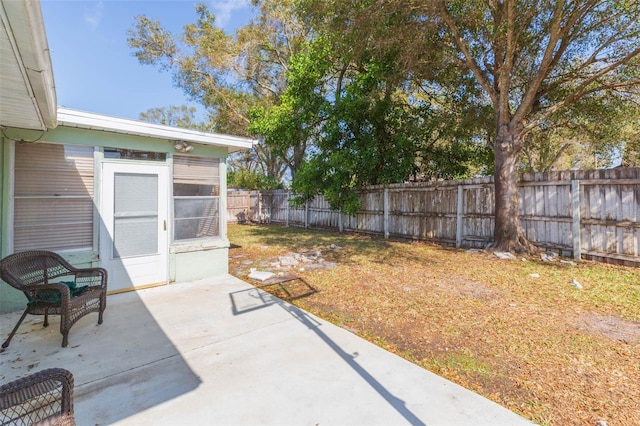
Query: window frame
{"points": [[216, 180]]}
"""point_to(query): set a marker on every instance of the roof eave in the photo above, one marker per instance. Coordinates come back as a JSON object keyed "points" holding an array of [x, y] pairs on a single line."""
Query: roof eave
{"points": [[26, 28], [85, 120]]}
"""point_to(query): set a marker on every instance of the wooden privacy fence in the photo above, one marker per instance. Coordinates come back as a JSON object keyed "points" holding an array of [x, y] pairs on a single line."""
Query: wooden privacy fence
{"points": [[593, 214], [243, 206]]}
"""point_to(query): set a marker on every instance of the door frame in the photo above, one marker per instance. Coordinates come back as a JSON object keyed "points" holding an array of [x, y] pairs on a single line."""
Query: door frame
{"points": [[127, 274]]}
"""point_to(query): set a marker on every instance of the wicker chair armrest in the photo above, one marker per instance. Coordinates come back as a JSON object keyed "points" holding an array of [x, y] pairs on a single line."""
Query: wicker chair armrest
{"points": [[65, 293], [96, 276], [28, 389]]}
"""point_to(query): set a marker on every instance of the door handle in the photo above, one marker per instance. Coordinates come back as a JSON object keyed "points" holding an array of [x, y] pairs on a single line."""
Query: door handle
{"points": [[164, 225]]}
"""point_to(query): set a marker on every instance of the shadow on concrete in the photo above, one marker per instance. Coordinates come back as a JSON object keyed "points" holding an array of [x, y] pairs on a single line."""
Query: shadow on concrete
{"points": [[252, 299], [289, 287], [128, 359], [130, 353]]}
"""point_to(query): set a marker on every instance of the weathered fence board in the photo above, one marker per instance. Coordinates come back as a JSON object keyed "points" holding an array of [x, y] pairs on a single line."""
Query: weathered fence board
{"points": [[243, 206], [594, 213]]}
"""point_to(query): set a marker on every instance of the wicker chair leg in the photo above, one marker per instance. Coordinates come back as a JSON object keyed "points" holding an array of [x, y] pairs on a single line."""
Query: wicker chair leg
{"points": [[64, 329], [6, 343]]}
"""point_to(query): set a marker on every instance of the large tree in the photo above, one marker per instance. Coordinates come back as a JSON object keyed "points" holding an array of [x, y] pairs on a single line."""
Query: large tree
{"points": [[228, 74], [366, 135], [351, 93], [534, 59], [535, 63]]}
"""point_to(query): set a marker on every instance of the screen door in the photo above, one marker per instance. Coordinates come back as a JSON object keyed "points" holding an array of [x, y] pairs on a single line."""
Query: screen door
{"points": [[133, 241]]}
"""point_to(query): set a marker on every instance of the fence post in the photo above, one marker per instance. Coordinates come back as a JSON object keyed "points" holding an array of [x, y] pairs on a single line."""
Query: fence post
{"points": [[306, 214], [270, 198], [575, 213], [385, 207], [288, 209], [459, 216], [260, 207], [249, 219]]}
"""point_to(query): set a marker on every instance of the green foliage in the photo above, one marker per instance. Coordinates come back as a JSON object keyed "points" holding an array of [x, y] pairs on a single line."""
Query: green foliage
{"points": [[151, 42], [365, 126], [347, 93], [553, 74], [176, 116], [363, 141], [292, 124], [247, 179], [631, 153], [589, 134], [228, 74]]}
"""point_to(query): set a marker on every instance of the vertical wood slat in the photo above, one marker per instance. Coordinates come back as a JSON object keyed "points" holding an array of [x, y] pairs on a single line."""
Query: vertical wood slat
{"points": [[590, 213], [288, 209], [386, 212], [459, 216], [575, 203]]}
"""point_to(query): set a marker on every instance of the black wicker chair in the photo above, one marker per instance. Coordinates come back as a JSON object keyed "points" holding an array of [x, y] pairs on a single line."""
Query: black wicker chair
{"points": [[42, 398], [52, 286]]}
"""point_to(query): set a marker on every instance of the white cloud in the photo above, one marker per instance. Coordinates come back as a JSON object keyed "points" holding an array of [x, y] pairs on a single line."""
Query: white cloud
{"points": [[224, 8], [93, 15]]}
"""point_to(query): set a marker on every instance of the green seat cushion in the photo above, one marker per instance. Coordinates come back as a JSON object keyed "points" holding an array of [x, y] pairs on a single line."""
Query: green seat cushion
{"points": [[53, 296]]}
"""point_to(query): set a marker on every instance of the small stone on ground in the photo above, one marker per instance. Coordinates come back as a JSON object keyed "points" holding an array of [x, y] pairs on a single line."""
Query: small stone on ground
{"points": [[261, 275], [504, 255]]}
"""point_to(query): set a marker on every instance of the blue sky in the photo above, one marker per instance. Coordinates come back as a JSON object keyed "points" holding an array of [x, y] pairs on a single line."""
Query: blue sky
{"points": [[94, 68]]}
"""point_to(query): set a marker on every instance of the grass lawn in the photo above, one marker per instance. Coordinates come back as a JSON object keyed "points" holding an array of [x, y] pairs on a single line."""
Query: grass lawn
{"points": [[516, 331]]}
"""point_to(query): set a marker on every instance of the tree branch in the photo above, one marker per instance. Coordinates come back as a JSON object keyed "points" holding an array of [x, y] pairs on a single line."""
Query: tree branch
{"points": [[580, 91], [530, 95], [469, 60]]}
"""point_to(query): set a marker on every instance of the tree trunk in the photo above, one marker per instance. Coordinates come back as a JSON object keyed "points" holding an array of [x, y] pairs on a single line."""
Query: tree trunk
{"points": [[299, 151], [508, 234]]}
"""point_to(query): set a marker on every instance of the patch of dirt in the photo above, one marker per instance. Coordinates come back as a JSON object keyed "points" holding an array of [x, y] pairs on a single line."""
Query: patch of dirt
{"points": [[612, 327], [463, 287]]}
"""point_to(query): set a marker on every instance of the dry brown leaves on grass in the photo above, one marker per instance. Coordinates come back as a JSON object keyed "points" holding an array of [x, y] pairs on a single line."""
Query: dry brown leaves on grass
{"points": [[537, 345]]}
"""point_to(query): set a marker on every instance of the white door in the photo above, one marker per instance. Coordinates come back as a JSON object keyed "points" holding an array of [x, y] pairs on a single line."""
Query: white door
{"points": [[134, 241]]}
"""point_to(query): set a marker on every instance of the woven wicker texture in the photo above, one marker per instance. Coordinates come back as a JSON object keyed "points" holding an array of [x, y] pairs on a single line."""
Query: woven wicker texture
{"points": [[38, 273], [42, 398]]}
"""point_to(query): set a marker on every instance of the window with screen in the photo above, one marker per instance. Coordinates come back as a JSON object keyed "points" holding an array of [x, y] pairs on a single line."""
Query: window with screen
{"points": [[53, 197], [196, 197]]}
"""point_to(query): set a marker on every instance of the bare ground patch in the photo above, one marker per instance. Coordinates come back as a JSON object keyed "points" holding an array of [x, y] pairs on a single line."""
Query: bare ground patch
{"points": [[612, 327]]}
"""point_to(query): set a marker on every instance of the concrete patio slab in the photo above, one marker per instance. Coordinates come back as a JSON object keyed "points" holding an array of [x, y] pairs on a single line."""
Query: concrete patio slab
{"points": [[220, 351]]}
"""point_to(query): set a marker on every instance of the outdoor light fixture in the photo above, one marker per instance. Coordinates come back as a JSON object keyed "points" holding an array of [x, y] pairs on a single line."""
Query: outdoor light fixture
{"points": [[183, 147]]}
